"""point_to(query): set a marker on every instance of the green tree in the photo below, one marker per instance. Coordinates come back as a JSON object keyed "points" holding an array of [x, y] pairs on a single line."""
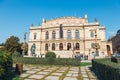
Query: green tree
{"points": [[2, 44], [12, 44], [5, 66], [2, 47]]}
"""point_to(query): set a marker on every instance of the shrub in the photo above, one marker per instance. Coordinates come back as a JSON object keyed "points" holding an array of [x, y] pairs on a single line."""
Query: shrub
{"points": [[85, 63], [67, 61], [106, 70], [16, 54], [115, 59], [50, 54], [5, 66], [51, 60]]}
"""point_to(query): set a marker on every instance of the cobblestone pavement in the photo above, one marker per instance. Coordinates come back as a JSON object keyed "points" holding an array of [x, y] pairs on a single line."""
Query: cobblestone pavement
{"points": [[32, 72]]}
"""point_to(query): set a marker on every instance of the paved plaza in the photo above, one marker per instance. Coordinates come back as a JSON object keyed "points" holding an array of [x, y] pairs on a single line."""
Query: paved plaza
{"points": [[32, 72]]}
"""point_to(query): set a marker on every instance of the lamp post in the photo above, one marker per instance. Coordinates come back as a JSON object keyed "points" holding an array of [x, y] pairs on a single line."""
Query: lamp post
{"points": [[24, 45], [41, 43], [84, 41]]}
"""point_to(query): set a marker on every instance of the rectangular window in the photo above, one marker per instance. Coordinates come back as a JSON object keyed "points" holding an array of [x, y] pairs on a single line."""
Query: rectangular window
{"points": [[69, 36], [77, 35], [35, 36], [91, 34]]}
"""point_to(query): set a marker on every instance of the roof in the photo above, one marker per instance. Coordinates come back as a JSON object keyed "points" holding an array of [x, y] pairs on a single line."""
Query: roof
{"points": [[64, 21], [118, 32]]}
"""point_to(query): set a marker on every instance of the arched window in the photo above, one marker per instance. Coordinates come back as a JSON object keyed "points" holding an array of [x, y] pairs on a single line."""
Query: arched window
{"points": [[77, 46], [53, 46], [61, 46], [35, 36], [47, 35], [91, 34], [76, 34], [53, 35], [69, 34], [46, 47], [92, 45], [68, 46]]}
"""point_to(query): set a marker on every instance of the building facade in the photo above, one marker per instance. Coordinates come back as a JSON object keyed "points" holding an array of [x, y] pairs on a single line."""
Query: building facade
{"points": [[1, 47], [116, 42], [67, 37]]}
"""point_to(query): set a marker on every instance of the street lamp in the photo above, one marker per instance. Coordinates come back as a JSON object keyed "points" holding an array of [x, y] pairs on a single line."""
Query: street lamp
{"points": [[24, 45], [41, 43]]}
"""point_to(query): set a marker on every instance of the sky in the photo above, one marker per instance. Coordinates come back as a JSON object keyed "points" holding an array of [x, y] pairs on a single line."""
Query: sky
{"points": [[16, 16]]}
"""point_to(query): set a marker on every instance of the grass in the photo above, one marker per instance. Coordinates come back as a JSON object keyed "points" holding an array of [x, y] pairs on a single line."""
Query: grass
{"points": [[85, 63], [17, 78], [64, 74], [50, 73], [39, 71], [80, 75]]}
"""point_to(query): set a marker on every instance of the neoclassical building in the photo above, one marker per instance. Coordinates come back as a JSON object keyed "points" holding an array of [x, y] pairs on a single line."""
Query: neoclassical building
{"points": [[67, 37]]}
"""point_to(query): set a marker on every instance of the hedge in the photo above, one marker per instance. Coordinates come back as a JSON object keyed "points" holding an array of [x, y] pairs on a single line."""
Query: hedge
{"points": [[115, 59], [50, 55], [105, 69], [5, 66], [44, 61]]}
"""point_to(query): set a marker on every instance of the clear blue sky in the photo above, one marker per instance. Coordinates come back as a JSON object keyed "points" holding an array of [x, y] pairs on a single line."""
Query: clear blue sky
{"points": [[16, 16]]}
